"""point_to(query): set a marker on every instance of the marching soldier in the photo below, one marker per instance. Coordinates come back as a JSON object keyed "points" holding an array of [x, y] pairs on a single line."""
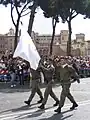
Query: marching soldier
{"points": [[48, 70], [66, 74], [35, 86]]}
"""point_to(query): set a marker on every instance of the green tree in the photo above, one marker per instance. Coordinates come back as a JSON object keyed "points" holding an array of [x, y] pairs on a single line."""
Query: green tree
{"points": [[68, 11], [50, 10], [32, 15], [22, 8], [86, 10]]}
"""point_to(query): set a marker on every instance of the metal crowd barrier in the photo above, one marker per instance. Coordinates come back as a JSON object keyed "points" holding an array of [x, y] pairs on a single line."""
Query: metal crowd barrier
{"points": [[84, 72]]}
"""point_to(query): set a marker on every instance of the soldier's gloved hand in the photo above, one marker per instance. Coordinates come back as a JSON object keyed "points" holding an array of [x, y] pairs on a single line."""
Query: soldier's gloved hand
{"points": [[78, 80], [75, 79]]}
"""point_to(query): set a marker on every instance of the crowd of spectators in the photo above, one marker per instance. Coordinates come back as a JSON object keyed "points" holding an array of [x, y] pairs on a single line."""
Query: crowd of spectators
{"points": [[14, 70], [81, 64], [19, 70]]}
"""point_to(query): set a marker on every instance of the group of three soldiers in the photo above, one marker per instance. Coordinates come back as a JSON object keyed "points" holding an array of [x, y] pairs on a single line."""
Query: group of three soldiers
{"points": [[67, 75]]}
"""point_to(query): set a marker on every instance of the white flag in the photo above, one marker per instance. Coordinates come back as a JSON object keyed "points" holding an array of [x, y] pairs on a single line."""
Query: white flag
{"points": [[27, 50]]}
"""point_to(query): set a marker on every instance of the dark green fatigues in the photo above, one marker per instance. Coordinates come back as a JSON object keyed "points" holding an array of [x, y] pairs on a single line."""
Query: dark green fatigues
{"points": [[48, 91], [65, 76], [35, 84]]}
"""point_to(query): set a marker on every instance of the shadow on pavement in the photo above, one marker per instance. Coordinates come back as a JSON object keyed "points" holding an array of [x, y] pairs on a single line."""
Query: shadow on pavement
{"points": [[57, 117], [39, 112], [30, 115], [25, 107], [22, 108]]}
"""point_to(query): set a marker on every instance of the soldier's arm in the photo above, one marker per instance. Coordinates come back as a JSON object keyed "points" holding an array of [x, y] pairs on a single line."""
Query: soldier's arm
{"points": [[74, 74], [42, 66], [48, 68]]}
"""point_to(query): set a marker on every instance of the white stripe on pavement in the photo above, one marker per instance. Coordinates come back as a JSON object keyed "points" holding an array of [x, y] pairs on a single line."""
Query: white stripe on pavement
{"points": [[35, 111]]}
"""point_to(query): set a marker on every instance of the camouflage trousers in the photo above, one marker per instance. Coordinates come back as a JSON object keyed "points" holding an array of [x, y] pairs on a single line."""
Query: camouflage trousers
{"points": [[35, 89], [65, 93], [49, 91]]}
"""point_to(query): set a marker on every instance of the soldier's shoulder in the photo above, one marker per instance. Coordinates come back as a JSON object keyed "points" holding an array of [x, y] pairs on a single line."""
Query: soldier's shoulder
{"points": [[70, 67]]}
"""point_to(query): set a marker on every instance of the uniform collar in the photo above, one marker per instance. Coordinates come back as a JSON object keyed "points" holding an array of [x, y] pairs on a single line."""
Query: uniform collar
{"points": [[65, 65]]}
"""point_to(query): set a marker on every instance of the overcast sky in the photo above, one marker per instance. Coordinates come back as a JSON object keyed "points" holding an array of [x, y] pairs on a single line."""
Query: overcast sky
{"points": [[43, 25]]}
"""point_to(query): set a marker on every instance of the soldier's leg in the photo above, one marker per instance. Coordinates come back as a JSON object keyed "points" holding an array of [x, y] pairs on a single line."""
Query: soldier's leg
{"points": [[46, 93], [68, 94], [62, 96], [33, 91], [39, 93], [52, 94], [70, 97], [62, 99], [32, 94]]}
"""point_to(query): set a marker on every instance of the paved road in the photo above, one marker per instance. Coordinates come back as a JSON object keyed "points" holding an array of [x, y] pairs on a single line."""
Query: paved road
{"points": [[12, 106]]}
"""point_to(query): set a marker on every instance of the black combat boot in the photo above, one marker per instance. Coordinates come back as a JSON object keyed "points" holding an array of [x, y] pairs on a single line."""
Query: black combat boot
{"points": [[40, 101], [42, 106], [74, 106], [57, 102], [58, 110], [27, 102]]}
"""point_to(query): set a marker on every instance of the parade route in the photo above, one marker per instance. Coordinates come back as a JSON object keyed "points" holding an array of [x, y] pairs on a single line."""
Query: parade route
{"points": [[25, 113], [12, 105]]}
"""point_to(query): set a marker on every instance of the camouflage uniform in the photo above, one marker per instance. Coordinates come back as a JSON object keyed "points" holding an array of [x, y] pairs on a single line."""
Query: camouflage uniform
{"points": [[66, 73], [48, 91], [35, 86]]}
